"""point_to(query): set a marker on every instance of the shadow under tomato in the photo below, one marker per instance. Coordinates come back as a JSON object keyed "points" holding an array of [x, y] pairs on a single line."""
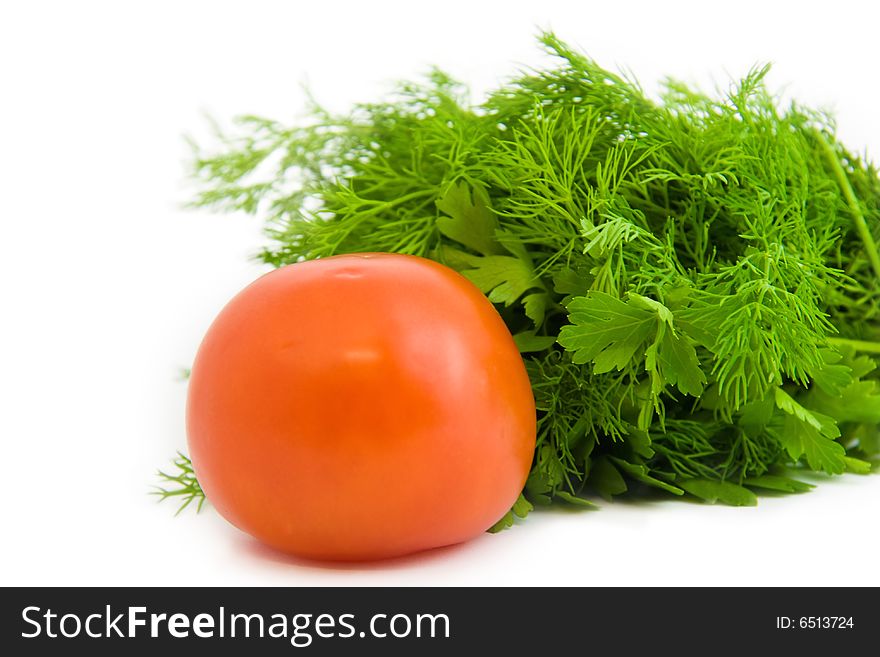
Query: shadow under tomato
{"points": [[261, 551]]}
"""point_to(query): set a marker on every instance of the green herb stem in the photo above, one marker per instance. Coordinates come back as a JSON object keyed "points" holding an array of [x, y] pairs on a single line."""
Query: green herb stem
{"points": [[853, 203], [859, 345]]}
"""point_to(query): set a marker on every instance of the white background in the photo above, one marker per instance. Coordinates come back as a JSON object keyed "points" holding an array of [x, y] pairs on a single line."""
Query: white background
{"points": [[108, 285]]}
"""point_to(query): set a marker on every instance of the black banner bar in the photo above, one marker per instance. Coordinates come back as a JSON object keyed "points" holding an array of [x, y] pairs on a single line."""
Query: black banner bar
{"points": [[437, 621]]}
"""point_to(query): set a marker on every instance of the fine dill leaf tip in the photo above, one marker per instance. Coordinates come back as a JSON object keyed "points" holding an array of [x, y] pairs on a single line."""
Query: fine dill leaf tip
{"points": [[180, 485], [692, 280]]}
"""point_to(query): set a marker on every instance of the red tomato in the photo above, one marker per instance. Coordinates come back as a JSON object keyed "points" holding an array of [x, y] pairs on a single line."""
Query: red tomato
{"points": [[360, 407]]}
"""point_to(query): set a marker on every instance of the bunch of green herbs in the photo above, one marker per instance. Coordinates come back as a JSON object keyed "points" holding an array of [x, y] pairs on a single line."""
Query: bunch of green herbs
{"points": [[692, 280]]}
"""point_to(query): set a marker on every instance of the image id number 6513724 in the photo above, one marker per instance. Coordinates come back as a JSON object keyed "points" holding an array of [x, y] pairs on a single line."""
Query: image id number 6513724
{"points": [[814, 622]]}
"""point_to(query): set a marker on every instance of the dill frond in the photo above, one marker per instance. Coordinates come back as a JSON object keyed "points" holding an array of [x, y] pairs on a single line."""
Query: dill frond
{"points": [[180, 484]]}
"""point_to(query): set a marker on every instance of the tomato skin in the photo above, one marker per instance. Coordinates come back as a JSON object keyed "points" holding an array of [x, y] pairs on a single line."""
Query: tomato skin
{"points": [[360, 407]]}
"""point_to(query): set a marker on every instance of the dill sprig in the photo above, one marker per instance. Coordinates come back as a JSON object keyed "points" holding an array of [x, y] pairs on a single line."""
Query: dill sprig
{"points": [[180, 484], [692, 279]]}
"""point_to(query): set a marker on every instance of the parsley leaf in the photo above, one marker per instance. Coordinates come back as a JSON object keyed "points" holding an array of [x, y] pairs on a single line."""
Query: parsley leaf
{"points": [[606, 479], [468, 220], [612, 334], [778, 483], [718, 491], [521, 508], [810, 434], [606, 331]]}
